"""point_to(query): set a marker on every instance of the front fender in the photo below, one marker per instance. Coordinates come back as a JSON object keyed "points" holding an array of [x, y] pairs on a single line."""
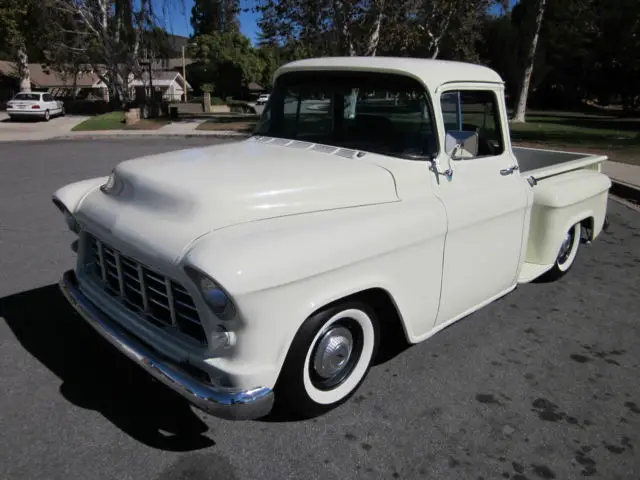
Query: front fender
{"points": [[280, 271], [72, 195]]}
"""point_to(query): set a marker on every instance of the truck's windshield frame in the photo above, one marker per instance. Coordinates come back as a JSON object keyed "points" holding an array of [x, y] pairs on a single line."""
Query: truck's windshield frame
{"points": [[392, 115]]}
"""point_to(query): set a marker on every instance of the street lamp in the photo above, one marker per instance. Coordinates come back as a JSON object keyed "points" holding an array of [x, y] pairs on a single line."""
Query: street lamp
{"points": [[184, 70]]}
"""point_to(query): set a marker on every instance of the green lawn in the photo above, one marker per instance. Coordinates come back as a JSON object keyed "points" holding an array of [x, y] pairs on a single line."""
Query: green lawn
{"points": [[107, 121], [115, 121], [617, 137]]}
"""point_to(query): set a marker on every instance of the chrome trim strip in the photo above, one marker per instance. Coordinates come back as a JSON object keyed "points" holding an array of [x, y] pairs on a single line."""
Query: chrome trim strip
{"points": [[242, 405]]}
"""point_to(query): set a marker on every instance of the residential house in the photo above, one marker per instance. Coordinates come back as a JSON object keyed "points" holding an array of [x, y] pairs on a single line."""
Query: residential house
{"points": [[46, 79], [171, 84]]}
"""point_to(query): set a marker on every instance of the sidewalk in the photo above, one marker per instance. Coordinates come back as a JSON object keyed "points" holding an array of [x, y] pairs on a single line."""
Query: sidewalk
{"points": [[625, 179]]}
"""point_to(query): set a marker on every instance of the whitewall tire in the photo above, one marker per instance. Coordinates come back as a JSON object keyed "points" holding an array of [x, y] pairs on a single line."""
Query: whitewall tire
{"points": [[567, 253], [329, 359]]}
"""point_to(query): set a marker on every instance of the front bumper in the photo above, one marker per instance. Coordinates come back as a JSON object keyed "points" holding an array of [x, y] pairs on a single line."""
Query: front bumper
{"points": [[241, 405]]}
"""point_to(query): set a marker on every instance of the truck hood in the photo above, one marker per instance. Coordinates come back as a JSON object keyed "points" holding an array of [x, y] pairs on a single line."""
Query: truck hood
{"points": [[164, 202]]}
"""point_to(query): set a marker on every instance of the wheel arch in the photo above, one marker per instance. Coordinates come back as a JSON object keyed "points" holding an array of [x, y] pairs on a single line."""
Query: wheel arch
{"points": [[381, 301]]}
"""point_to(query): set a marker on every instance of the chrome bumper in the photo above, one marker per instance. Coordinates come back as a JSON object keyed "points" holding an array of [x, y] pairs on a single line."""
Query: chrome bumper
{"points": [[243, 405]]}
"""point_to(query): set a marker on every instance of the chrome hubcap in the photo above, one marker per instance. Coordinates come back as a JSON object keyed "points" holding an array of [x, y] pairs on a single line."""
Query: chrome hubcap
{"points": [[333, 352], [565, 249]]}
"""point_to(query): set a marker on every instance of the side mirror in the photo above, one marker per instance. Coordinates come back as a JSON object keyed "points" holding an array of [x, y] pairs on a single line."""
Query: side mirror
{"points": [[461, 144]]}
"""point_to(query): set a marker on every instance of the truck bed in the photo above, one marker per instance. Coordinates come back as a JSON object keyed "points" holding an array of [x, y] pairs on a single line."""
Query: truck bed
{"points": [[541, 163]]}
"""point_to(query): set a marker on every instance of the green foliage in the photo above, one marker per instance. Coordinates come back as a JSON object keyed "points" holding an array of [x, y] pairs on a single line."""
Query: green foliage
{"points": [[210, 16], [227, 59]]}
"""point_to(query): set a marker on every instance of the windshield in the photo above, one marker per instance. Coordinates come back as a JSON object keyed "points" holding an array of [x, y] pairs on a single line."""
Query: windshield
{"points": [[27, 96], [375, 112]]}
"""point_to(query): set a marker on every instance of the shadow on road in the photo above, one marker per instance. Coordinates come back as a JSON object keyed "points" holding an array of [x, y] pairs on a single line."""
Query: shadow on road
{"points": [[96, 377]]}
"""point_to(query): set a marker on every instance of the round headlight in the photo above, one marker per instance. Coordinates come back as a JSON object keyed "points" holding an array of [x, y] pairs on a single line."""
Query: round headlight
{"points": [[216, 298]]}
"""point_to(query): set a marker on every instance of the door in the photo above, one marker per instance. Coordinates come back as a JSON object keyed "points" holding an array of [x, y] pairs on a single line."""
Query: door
{"points": [[50, 104], [485, 200]]}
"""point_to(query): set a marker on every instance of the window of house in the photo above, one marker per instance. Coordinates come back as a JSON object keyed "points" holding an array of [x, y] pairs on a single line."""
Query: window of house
{"points": [[475, 111]]}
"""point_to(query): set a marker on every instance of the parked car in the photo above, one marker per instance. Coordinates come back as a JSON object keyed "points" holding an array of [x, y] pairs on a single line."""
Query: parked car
{"points": [[34, 104], [262, 99], [272, 269]]}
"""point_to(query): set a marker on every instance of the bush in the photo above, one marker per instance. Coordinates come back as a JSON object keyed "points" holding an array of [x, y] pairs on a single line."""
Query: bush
{"points": [[87, 107], [239, 106]]}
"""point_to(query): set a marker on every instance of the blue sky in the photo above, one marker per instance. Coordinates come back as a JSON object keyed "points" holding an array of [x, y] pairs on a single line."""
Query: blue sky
{"points": [[177, 18]]}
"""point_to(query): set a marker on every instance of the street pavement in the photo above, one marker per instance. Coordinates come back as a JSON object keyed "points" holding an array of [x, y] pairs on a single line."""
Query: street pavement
{"points": [[540, 384]]}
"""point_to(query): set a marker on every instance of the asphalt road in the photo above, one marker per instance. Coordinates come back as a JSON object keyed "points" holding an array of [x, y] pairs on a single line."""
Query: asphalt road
{"points": [[541, 384]]}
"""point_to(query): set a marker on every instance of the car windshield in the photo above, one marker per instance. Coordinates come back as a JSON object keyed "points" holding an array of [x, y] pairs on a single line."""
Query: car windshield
{"points": [[375, 112], [27, 96]]}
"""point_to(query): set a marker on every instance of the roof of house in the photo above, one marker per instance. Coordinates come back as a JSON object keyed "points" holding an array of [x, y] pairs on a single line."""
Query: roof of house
{"points": [[170, 63], [160, 78], [255, 87], [47, 77], [432, 73]]}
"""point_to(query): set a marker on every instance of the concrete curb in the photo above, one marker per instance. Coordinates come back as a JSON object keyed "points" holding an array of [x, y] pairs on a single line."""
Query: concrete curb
{"points": [[625, 190], [119, 136]]}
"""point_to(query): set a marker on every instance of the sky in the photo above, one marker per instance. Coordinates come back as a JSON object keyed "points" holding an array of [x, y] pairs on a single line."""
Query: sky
{"points": [[178, 15]]}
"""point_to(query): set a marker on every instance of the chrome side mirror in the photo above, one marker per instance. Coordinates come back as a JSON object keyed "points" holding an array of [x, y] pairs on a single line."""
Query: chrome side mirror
{"points": [[461, 144]]}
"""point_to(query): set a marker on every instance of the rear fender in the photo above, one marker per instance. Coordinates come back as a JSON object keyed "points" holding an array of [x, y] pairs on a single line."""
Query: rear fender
{"points": [[559, 203]]}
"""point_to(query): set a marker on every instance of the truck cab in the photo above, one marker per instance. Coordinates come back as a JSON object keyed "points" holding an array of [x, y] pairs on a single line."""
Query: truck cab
{"points": [[374, 194]]}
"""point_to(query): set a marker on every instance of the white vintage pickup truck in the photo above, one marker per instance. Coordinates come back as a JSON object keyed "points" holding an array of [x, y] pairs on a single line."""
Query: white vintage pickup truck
{"points": [[375, 193]]}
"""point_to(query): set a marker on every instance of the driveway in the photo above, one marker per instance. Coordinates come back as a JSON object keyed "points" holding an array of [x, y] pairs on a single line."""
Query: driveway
{"points": [[542, 384], [33, 129]]}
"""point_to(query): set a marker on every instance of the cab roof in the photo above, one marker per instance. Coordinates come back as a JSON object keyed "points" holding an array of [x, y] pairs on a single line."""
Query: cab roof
{"points": [[432, 73]]}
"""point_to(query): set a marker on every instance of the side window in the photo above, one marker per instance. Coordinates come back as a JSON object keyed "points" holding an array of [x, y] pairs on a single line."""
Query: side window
{"points": [[474, 111]]}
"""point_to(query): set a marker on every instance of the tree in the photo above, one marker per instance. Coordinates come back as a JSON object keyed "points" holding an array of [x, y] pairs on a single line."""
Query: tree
{"points": [[19, 20], [210, 16], [107, 33], [227, 60], [519, 116], [326, 27]]}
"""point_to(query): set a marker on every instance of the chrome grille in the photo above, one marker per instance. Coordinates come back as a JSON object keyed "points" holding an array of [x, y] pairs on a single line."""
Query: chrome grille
{"points": [[152, 296]]}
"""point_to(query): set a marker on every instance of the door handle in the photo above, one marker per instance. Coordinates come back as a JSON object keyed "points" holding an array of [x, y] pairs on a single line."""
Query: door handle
{"points": [[509, 171]]}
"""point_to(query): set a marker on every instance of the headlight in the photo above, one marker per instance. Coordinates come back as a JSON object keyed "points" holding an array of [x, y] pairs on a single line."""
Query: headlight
{"points": [[216, 298], [68, 217]]}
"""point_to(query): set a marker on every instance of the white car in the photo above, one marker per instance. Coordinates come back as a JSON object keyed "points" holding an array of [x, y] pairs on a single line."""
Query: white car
{"points": [[272, 268], [262, 99], [34, 105]]}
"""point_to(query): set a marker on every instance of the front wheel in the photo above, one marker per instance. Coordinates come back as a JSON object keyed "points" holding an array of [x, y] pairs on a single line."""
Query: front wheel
{"points": [[328, 360], [567, 254]]}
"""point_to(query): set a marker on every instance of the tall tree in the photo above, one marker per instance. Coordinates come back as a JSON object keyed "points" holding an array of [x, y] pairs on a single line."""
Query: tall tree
{"points": [[210, 16], [20, 22], [227, 60], [521, 108], [108, 33]]}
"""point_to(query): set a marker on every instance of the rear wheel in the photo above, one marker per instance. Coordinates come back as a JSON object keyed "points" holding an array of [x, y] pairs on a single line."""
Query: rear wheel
{"points": [[328, 360], [47, 115], [567, 254]]}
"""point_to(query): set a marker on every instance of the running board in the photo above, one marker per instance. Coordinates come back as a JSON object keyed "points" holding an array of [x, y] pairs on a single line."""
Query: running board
{"points": [[531, 271]]}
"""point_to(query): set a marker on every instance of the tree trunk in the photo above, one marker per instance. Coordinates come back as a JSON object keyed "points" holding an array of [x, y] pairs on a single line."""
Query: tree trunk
{"points": [[374, 38], [23, 69], [521, 108]]}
